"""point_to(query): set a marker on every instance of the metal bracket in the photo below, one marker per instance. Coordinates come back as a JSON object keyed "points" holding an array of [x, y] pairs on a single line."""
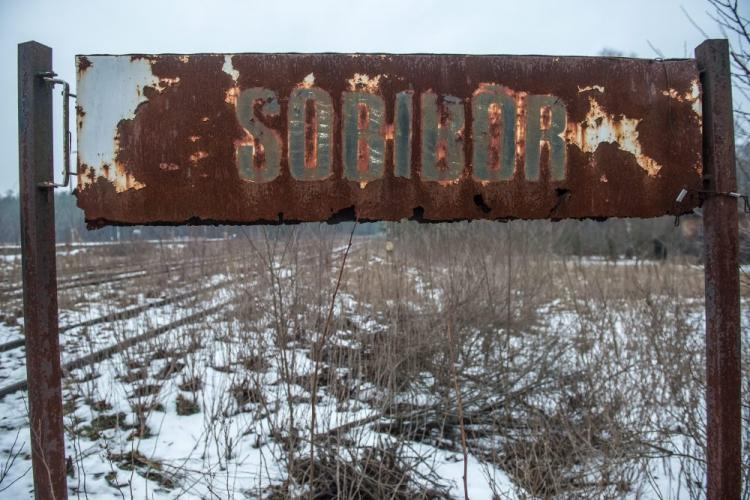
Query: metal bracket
{"points": [[704, 194], [50, 78]]}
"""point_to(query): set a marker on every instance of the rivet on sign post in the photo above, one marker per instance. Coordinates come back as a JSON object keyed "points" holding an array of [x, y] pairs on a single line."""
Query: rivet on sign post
{"points": [[721, 247]]}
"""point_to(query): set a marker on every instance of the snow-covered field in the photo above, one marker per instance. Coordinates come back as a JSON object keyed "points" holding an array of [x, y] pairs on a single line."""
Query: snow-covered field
{"points": [[582, 388]]}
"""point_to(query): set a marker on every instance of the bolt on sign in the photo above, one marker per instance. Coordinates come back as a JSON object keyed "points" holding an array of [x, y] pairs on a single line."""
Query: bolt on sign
{"points": [[274, 138]]}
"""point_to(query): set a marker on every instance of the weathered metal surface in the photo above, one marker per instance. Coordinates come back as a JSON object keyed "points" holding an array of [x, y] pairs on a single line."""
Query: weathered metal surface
{"points": [[723, 373], [304, 137], [40, 321]]}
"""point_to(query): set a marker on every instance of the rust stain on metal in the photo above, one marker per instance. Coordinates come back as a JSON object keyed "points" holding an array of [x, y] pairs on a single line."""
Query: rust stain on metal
{"points": [[311, 135], [275, 138], [83, 63], [169, 166]]}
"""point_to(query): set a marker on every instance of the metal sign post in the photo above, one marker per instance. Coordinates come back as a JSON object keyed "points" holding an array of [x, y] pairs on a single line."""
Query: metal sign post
{"points": [[722, 274], [39, 270]]}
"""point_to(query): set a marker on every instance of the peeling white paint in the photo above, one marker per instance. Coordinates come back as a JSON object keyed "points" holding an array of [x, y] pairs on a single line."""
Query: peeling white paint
{"points": [[230, 97], [361, 81], [587, 88], [232, 93], [308, 81], [600, 127], [692, 96], [109, 91], [166, 82], [228, 68], [196, 157], [695, 93]]}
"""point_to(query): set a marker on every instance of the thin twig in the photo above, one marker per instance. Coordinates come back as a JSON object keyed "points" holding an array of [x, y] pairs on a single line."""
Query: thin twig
{"points": [[317, 348], [460, 406]]}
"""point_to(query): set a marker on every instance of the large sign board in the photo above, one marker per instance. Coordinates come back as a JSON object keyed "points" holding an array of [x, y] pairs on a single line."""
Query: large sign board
{"points": [[273, 138]]}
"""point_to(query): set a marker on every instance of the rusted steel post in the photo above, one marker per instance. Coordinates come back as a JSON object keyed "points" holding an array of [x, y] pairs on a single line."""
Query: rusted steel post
{"points": [[39, 273], [721, 246]]}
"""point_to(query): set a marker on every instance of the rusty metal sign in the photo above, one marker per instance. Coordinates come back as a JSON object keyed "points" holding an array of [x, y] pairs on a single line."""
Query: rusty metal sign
{"points": [[254, 138]]}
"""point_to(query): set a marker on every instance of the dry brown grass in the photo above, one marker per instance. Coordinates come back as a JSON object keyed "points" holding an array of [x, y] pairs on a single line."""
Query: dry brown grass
{"points": [[570, 375]]}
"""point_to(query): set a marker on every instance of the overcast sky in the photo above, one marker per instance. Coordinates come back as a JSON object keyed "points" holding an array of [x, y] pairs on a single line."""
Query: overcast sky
{"points": [[555, 27]]}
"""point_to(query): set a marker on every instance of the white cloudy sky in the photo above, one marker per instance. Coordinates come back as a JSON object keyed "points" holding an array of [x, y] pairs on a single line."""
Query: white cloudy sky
{"points": [[573, 27]]}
